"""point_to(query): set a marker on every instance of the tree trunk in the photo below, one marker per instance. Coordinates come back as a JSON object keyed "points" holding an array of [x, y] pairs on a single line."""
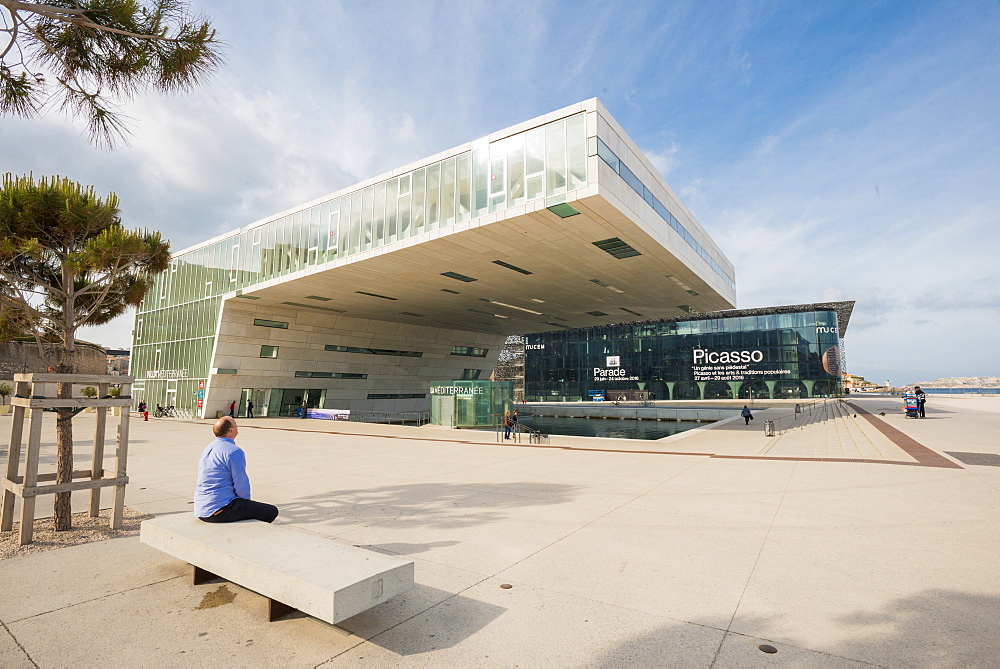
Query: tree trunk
{"points": [[62, 512]]}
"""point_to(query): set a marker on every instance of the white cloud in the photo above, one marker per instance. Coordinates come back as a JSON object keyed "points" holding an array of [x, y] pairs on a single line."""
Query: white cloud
{"points": [[664, 161]]}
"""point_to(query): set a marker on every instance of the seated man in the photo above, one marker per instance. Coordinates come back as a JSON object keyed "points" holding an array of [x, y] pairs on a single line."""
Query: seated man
{"points": [[222, 494]]}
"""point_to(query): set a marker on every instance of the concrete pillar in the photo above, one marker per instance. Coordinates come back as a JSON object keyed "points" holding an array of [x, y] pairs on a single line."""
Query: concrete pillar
{"points": [[770, 388]]}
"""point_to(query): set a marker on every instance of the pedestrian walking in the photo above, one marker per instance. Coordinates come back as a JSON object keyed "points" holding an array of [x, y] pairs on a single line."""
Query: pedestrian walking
{"points": [[143, 410], [232, 409], [747, 416], [249, 408]]}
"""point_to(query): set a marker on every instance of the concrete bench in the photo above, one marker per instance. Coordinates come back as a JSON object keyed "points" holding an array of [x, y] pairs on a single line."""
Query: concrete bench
{"points": [[295, 570]]}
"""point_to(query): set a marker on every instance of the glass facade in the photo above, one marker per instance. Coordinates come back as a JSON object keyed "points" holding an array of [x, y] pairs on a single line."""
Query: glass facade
{"points": [[766, 356], [469, 403], [176, 324]]}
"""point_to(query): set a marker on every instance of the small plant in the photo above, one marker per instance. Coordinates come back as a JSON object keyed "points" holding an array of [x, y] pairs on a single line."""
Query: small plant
{"points": [[5, 390], [89, 391], [115, 392]]}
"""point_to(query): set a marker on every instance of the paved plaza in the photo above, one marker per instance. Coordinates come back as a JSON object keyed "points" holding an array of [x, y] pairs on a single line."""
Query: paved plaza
{"points": [[855, 540]]}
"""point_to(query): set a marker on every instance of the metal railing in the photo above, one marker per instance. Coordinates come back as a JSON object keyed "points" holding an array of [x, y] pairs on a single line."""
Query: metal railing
{"points": [[809, 413], [517, 429], [391, 417]]}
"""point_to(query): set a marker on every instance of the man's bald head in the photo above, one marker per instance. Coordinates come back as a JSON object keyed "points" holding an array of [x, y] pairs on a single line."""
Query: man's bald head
{"points": [[224, 426]]}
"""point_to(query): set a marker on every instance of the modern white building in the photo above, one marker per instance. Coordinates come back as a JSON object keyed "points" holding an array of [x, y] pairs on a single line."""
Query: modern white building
{"points": [[360, 299]]}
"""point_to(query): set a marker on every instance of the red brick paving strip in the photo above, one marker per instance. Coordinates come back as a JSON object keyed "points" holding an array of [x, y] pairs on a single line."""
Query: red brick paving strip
{"points": [[923, 455]]}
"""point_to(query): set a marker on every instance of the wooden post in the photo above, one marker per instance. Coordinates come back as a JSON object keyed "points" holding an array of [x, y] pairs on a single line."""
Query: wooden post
{"points": [[121, 462], [97, 462], [13, 460], [30, 476]]}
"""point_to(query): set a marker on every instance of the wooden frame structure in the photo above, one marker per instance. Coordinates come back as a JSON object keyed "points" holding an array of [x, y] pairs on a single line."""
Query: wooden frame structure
{"points": [[28, 486]]}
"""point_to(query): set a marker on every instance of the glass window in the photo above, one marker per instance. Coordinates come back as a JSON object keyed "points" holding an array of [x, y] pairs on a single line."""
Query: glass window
{"points": [[576, 150], [496, 176], [534, 151], [417, 219], [298, 237], [433, 196], [367, 200], [333, 235], [469, 374], [268, 351], [464, 198], [534, 163], [280, 246], [355, 222], [480, 180], [470, 351], [515, 170], [447, 216], [403, 217], [607, 155], [344, 245], [555, 158], [379, 215], [264, 323], [391, 202]]}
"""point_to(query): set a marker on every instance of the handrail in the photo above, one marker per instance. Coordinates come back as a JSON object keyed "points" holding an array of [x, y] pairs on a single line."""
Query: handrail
{"points": [[401, 417], [810, 414]]}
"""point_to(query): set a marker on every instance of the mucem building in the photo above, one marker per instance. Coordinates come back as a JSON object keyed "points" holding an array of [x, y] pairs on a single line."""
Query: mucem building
{"points": [[771, 353], [369, 298]]}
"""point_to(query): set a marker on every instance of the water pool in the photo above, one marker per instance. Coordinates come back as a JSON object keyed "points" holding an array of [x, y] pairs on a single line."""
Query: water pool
{"points": [[615, 428]]}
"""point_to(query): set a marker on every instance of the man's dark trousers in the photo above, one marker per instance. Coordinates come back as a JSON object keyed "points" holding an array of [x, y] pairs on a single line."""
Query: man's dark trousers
{"points": [[244, 509]]}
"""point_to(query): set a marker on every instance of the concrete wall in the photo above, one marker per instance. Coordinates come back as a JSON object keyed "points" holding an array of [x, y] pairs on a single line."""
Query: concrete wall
{"points": [[301, 348], [22, 357]]}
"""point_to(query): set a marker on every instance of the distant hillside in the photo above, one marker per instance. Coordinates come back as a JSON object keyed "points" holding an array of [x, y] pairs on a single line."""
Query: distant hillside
{"points": [[959, 381]]}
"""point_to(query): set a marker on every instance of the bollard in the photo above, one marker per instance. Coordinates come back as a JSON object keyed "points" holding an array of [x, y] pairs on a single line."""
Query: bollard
{"points": [[768, 428]]}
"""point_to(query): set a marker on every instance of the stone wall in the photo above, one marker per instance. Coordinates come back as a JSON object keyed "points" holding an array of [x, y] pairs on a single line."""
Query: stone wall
{"points": [[20, 357]]}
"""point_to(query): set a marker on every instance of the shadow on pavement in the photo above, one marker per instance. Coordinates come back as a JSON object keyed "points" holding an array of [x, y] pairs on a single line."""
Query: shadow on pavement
{"points": [[452, 620], [440, 505], [939, 628]]}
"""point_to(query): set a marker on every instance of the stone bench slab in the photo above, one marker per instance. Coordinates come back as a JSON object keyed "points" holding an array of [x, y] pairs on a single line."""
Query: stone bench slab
{"points": [[320, 576]]}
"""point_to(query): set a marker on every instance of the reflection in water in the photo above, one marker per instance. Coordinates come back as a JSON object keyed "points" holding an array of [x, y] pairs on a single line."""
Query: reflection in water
{"points": [[615, 428]]}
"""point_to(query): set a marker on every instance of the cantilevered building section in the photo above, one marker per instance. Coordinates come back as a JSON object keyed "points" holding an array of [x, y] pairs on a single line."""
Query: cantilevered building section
{"points": [[358, 300]]}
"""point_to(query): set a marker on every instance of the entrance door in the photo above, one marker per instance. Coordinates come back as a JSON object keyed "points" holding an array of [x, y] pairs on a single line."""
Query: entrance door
{"points": [[444, 409]]}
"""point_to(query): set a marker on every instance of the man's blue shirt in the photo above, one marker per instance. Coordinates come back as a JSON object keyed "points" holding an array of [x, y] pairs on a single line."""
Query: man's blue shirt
{"points": [[222, 477]]}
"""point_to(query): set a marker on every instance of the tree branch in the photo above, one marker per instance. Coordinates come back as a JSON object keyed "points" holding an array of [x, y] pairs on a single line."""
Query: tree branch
{"points": [[13, 35], [77, 17]]}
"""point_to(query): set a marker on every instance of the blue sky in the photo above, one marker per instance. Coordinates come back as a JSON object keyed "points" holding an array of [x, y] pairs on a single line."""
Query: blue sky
{"points": [[834, 150]]}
